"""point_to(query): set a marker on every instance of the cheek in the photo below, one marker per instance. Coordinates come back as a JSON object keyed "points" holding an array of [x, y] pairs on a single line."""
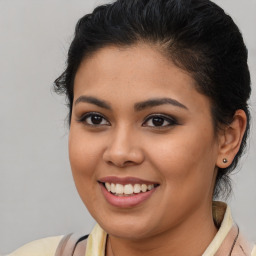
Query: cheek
{"points": [[84, 150], [84, 155], [186, 160]]}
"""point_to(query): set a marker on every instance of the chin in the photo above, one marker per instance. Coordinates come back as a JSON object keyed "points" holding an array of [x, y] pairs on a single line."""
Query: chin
{"points": [[128, 233], [128, 228]]}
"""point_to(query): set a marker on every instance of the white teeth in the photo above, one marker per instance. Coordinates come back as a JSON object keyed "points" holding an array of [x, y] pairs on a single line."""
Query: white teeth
{"points": [[136, 188], [119, 189], [113, 188], [150, 187], [144, 187], [127, 189], [108, 186]]}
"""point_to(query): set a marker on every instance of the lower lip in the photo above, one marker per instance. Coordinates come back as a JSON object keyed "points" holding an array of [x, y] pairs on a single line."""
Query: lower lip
{"points": [[126, 201]]}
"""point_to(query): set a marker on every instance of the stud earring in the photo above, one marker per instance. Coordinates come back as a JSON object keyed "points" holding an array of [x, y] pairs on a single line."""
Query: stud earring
{"points": [[225, 160]]}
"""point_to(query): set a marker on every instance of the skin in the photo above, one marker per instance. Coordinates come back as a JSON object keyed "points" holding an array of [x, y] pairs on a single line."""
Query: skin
{"points": [[182, 156]]}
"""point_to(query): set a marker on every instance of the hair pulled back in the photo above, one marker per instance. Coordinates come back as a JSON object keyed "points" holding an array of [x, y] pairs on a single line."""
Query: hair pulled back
{"points": [[196, 35]]}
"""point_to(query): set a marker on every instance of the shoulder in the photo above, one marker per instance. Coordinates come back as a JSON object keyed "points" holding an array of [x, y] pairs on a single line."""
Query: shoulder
{"points": [[42, 247], [254, 251]]}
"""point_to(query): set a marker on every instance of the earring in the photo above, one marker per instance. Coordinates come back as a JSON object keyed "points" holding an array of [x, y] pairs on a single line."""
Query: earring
{"points": [[225, 160]]}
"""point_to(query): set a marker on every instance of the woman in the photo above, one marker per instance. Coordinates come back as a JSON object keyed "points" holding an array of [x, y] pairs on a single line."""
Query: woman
{"points": [[157, 93]]}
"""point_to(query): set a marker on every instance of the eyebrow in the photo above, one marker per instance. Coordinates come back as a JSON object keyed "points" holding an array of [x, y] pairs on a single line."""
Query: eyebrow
{"points": [[137, 106], [157, 102], [92, 100]]}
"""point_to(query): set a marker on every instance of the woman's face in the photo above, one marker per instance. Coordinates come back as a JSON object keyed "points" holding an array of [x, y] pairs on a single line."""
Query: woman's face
{"points": [[139, 122]]}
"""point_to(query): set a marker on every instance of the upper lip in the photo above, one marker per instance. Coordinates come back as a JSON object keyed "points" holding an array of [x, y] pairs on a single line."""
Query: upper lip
{"points": [[125, 180]]}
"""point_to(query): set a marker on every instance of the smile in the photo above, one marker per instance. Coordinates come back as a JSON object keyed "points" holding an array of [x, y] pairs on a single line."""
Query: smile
{"points": [[128, 189], [126, 192]]}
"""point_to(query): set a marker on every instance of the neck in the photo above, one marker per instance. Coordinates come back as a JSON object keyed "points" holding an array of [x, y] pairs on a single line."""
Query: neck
{"points": [[189, 238]]}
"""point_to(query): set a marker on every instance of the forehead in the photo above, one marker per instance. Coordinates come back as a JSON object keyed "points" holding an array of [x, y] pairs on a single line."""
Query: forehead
{"points": [[140, 71]]}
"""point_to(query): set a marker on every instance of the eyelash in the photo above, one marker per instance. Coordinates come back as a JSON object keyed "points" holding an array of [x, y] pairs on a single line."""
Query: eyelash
{"points": [[170, 120], [90, 115]]}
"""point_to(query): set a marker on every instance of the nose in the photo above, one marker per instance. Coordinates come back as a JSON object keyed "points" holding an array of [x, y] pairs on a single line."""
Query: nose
{"points": [[123, 149]]}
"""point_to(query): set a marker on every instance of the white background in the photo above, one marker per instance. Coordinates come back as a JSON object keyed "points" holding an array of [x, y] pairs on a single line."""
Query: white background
{"points": [[37, 194]]}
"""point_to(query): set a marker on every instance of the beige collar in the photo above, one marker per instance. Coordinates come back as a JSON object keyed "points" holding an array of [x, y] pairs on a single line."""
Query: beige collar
{"points": [[222, 218]]}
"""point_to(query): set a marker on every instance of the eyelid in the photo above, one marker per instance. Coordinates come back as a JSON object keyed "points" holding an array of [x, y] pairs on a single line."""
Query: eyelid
{"points": [[88, 114], [172, 121], [167, 118]]}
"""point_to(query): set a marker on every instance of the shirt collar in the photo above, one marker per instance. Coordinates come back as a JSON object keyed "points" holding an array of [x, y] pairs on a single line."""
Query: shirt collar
{"points": [[222, 217]]}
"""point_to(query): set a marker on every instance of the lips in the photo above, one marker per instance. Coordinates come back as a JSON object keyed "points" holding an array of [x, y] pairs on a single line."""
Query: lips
{"points": [[127, 191], [125, 180]]}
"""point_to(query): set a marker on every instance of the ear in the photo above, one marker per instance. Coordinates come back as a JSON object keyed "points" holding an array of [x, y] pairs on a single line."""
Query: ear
{"points": [[230, 139]]}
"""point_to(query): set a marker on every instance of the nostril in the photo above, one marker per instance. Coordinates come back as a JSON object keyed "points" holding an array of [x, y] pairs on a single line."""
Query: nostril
{"points": [[127, 163], [121, 164], [124, 156], [110, 162]]}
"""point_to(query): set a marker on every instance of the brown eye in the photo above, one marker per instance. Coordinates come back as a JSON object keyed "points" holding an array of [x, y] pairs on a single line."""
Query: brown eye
{"points": [[94, 119], [157, 121], [160, 121]]}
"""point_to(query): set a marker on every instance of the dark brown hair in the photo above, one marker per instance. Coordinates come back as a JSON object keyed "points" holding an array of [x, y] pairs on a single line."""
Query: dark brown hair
{"points": [[197, 35]]}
